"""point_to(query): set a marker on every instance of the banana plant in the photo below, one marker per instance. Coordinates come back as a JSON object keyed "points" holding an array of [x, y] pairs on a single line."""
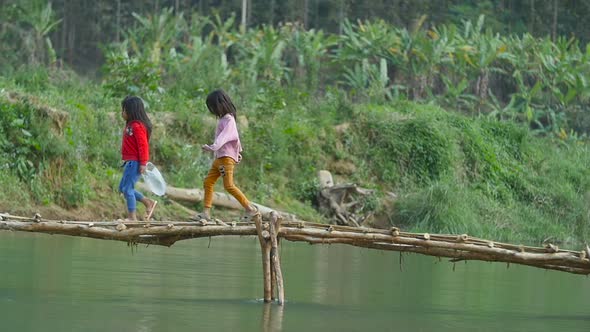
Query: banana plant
{"points": [[369, 82], [200, 53], [311, 48], [196, 27], [222, 32], [428, 54], [40, 16], [370, 40], [260, 57], [156, 33], [371, 54]]}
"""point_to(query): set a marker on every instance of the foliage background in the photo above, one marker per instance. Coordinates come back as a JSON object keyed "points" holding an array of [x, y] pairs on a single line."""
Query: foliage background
{"points": [[477, 123]]}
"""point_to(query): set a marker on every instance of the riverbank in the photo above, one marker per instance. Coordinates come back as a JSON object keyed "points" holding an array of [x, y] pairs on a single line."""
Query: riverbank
{"points": [[449, 173]]}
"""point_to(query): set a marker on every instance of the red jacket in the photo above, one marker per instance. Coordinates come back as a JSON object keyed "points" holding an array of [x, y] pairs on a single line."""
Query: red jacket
{"points": [[135, 144]]}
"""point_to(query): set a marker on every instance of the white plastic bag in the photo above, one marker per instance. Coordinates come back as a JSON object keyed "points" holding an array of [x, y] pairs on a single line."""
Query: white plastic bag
{"points": [[154, 180]]}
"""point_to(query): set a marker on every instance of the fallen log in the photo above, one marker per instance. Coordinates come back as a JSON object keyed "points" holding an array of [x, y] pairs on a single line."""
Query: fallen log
{"points": [[219, 199]]}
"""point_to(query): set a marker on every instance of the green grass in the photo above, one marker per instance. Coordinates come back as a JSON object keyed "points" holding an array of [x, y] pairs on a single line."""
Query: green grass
{"points": [[451, 173]]}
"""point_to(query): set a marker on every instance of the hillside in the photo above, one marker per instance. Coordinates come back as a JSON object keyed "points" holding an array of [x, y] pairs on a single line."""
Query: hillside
{"points": [[450, 173]]}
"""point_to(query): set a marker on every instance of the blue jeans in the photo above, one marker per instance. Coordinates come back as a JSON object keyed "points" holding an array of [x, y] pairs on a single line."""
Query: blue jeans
{"points": [[127, 186]]}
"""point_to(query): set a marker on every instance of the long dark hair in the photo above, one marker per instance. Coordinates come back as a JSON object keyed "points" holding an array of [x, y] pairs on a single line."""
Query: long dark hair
{"points": [[219, 103], [133, 106]]}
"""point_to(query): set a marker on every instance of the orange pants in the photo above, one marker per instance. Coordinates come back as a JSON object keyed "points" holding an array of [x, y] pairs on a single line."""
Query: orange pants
{"points": [[224, 167]]}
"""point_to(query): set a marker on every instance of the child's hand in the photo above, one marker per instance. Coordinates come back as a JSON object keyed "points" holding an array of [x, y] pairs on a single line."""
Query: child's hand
{"points": [[141, 169], [206, 148]]}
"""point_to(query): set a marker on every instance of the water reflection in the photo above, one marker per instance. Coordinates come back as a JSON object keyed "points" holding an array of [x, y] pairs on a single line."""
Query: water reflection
{"points": [[57, 283], [272, 317]]}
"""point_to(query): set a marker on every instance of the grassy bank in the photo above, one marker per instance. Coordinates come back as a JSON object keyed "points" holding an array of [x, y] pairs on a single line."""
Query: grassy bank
{"points": [[450, 173]]}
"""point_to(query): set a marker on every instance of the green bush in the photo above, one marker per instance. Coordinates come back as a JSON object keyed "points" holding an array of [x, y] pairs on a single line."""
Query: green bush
{"points": [[441, 207], [131, 75], [451, 173], [396, 146], [23, 139]]}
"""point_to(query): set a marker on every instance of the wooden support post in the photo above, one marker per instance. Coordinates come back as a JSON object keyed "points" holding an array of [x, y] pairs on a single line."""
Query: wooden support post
{"points": [[273, 278], [273, 274], [264, 238], [271, 261], [275, 258]]}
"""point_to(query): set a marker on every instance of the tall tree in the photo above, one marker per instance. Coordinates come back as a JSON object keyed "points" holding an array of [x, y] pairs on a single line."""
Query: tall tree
{"points": [[305, 14], [554, 25], [244, 24], [532, 17], [118, 24]]}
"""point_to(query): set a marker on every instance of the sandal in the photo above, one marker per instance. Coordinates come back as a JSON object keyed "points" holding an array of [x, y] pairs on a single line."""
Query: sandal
{"points": [[150, 213], [200, 216], [249, 216]]}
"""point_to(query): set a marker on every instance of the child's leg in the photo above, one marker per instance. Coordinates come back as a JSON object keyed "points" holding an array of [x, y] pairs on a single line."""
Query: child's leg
{"points": [[149, 204], [127, 187], [227, 171], [138, 196], [208, 185]]}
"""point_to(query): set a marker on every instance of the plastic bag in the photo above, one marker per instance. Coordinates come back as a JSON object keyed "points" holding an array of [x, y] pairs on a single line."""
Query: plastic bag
{"points": [[154, 179]]}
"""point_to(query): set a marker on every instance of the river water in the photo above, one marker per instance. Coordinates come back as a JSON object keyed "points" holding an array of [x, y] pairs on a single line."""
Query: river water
{"points": [[59, 283]]}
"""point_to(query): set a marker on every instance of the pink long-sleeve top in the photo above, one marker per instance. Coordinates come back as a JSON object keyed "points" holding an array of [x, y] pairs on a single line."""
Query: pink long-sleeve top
{"points": [[227, 140]]}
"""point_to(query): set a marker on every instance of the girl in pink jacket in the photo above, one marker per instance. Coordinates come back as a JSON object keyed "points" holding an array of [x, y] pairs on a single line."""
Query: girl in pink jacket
{"points": [[226, 149]]}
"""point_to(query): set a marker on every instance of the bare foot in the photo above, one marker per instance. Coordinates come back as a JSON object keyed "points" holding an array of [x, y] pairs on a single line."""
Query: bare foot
{"points": [[131, 216]]}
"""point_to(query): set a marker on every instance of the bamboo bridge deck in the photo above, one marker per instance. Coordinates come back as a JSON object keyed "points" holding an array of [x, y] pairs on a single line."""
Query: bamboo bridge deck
{"points": [[456, 247]]}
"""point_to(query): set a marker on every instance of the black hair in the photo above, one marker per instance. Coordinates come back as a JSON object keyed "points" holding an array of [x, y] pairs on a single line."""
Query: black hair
{"points": [[219, 103], [133, 106]]}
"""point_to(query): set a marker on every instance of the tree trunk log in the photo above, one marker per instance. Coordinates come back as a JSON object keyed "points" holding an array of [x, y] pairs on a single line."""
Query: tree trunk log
{"points": [[219, 199], [342, 202]]}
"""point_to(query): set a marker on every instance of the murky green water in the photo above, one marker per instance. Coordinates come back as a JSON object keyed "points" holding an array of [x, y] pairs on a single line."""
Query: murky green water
{"points": [[58, 283]]}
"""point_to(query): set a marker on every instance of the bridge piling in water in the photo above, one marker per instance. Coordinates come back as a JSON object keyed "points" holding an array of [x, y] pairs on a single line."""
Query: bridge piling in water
{"points": [[271, 262]]}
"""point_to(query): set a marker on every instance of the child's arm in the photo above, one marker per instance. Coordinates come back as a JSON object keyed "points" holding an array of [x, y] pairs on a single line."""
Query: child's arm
{"points": [[143, 146], [229, 133]]}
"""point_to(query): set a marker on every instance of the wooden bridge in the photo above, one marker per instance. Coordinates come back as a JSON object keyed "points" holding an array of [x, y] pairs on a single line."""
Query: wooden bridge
{"points": [[272, 229]]}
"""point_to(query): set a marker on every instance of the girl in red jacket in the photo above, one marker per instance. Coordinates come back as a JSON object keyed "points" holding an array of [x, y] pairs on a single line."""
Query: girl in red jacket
{"points": [[135, 152]]}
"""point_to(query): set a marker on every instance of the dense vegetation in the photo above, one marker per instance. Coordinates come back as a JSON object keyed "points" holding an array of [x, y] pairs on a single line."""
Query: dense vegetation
{"points": [[475, 132], [84, 26]]}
